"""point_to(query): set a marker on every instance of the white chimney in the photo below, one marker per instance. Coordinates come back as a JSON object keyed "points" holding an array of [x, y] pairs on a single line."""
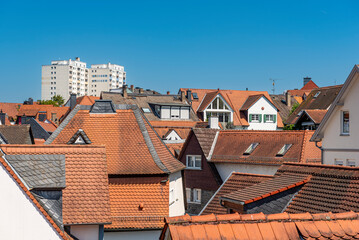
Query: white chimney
{"points": [[213, 122]]}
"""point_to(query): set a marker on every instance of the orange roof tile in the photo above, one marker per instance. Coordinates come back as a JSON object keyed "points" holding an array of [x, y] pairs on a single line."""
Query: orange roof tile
{"points": [[309, 86], [235, 99], [260, 226], [11, 109], [86, 100], [32, 198], [48, 126], [126, 148], [85, 198], [138, 202], [231, 145], [316, 114], [32, 110]]}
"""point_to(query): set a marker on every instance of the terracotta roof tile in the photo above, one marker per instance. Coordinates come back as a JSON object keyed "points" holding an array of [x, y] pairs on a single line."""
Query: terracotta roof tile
{"points": [[309, 86], [127, 149], [231, 145], [48, 126], [235, 182], [316, 114], [86, 100], [32, 110], [138, 202], [234, 226], [11, 109], [85, 198], [32, 198]]}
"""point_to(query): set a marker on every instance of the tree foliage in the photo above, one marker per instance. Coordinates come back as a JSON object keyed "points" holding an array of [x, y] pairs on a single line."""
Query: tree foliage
{"points": [[56, 101], [294, 107]]}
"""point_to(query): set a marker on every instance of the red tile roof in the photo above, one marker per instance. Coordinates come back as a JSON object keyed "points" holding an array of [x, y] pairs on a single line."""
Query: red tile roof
{"points": [[126, 148], [316, 114], [32, 198], [85, 198], [86, 100], [48, 126], [11, 109], [309, 86], [231, 145], [235, 99], [259, 226], [235, 182], [138, 202], [32, 110]]}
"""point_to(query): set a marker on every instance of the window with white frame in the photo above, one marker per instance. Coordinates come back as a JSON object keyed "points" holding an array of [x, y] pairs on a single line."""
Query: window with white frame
{"points": [[351, 163], [345, 122], [219, 108], [338, 162], [193, 195], [270, 118], [255, 117], [193, 162]]}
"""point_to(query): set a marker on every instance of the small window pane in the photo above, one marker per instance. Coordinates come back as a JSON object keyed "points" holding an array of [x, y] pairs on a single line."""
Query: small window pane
{"points": [[220, 103], [215, 104], [345, 122]]}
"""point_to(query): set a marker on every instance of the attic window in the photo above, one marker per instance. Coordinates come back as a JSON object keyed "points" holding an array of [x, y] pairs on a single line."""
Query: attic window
{"points": [[80, 140], [317, 94], [283, 150], [146, 110], [251, 148], [195, 96]]}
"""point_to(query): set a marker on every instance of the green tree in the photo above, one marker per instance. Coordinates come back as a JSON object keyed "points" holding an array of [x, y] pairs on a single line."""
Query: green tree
{"points": [[56, 101], [294, 107]]}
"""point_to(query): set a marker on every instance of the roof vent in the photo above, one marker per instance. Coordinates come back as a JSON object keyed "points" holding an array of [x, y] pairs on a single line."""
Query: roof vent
{"points": [[103, 106]]}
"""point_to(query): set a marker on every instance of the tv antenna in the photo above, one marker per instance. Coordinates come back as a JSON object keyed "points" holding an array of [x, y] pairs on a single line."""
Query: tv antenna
{"points": [[273, 80]]}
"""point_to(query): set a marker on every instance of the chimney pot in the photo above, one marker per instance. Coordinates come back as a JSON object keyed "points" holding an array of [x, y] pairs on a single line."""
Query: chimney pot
{"points": [[124, 91]]}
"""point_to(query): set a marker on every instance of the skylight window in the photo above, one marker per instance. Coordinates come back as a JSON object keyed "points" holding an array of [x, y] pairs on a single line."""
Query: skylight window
{"points": [[283, 150], [146, 110], [317, 94], [251, 148], [195, 96]]}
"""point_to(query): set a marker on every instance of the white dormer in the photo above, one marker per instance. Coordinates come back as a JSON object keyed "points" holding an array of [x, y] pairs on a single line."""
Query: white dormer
{"points": [[262, 115], [218, 107]]}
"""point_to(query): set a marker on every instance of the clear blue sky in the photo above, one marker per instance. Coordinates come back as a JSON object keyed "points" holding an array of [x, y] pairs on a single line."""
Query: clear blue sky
{"points": [[165, 45]]}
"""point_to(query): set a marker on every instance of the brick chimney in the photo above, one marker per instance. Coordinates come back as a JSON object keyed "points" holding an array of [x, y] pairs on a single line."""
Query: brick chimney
{"points": [[183, 95], [288, 99], [124, 91], [306, 80], [132, 88], [168, 92]]}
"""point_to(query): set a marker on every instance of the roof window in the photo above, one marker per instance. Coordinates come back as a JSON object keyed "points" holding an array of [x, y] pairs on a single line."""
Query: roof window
{"points": [[317, 94], [283, 150], [251, 148], [195, 96], [146, 110]]}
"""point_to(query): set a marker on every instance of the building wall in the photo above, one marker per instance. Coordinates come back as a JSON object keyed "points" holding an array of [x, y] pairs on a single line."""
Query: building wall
{"points": [[20, 218], [133, 235], [196, 208], [176, 199], [347, 146], [268, 108], [88, 232], [225, 169]]}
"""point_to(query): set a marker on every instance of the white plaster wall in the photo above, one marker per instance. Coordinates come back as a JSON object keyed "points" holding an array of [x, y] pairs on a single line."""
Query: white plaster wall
{"points": [[332, 138], [225, 169], [133, 235], [20, 218], [176, 201], [257, 109], [330, 157], [85, 232]]}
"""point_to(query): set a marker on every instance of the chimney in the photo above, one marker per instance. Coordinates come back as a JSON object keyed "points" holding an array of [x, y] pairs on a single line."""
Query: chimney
{"points": [[77, 59], [189, 95], [132, 88], [124, 91], [72, 100], [31, 101], [288, 99], [183, 95], [246, 89], [213, 122], [306, 80], [2, 118], [168, 92], [141, 90]]}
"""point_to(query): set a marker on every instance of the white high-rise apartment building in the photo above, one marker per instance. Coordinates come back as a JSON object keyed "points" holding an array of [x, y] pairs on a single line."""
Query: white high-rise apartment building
{"points": [[103, 77], [72, 76]]}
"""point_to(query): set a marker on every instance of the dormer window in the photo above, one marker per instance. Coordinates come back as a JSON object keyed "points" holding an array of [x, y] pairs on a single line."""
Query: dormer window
{"points": [[218, 104], [195, 96], [284, 150], [251, 148], [317, 94]]}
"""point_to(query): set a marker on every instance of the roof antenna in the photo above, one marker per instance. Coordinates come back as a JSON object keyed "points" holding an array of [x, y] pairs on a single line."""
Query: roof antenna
{"points": [[273, 84]]}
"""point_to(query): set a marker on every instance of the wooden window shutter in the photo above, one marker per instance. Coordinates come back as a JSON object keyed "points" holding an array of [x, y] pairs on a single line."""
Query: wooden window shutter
{"points": [[250, 117], [265, 118], [260, 117], [274, 118]]}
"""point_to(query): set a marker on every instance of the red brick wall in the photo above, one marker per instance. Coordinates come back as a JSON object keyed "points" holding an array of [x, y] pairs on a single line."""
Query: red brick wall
{"points": [[204, 178]]}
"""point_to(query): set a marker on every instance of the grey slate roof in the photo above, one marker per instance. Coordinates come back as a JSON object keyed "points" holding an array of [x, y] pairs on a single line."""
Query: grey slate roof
{"points": [[103, 106], [40, 171], [51, 201], [81, 133], [37, 130], [17, 134]]}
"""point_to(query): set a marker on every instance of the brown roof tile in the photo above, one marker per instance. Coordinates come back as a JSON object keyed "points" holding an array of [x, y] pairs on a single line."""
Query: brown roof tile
{"points": [[260, 226], [126, 147], [316, 114], [235, 182], [231, 145], [205, 137], [85, 198], [138, 202], [17, 134], [33, 110]]}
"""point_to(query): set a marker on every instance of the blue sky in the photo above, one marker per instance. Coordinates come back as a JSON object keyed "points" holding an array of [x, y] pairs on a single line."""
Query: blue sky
{"points": [[165, 45]]}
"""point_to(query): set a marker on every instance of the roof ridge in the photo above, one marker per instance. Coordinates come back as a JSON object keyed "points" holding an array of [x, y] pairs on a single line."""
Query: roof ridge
{"points": [[148, 140], [253, 174], [303, 146], [322, 166]]}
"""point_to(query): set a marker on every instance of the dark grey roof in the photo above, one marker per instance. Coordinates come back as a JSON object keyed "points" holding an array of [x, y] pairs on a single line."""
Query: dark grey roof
{"points": [[79, 133], [171, 104], [3, 139], [274, 204], [51, 201], [40, 171], [103, 106], [17, 134], [37, 130]]}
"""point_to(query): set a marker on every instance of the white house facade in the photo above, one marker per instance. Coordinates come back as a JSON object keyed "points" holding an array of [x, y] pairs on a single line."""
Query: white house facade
{"points": [[262, 115], [338, 131]]}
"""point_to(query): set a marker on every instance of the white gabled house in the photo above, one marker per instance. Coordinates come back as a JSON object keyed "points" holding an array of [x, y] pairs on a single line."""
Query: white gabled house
{"points": [[338, 131]]}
